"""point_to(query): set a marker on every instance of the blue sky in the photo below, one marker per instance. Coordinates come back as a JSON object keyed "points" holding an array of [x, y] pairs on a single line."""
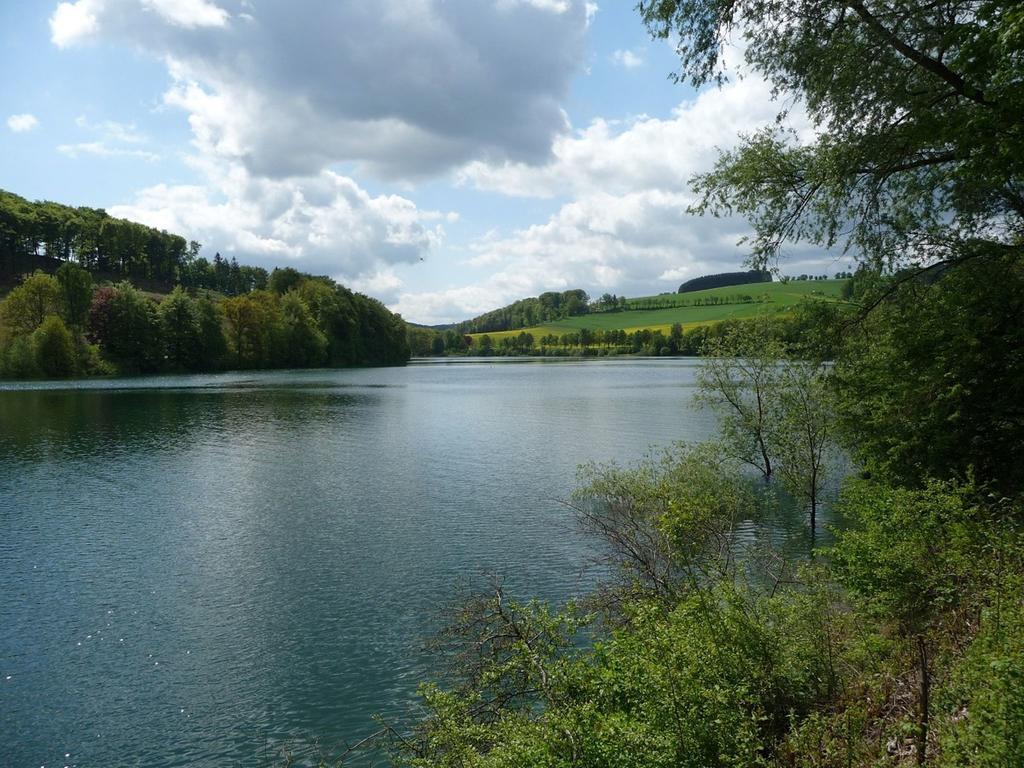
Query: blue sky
{"points": [[447, 156]]}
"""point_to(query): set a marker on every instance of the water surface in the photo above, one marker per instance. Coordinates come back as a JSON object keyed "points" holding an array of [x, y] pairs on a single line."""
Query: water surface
{"points": [[200, 570]]}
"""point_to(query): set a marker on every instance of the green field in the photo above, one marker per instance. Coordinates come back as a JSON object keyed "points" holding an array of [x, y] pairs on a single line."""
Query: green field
{"points": [[770, 299]]}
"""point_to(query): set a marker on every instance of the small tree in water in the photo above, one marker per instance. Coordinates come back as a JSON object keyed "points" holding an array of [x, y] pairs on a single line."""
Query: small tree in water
{"points": [[804, 434], [773, 412], [740, 382]]}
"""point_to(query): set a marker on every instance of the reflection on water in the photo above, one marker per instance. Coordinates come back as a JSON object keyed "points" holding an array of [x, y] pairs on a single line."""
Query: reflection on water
{"points": [[197, 570]]}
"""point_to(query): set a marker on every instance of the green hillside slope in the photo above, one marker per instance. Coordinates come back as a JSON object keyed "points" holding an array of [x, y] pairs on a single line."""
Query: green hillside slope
{"points": [[693, 309]]}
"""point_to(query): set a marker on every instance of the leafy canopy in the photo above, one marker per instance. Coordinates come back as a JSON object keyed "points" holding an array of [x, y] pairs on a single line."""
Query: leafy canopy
{"points": [[919, 116]]}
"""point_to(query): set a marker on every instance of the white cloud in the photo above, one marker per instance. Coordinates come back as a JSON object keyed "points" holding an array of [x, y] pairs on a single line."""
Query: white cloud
{"points": [[554, 6], [276, 98], [73, 22], [100, 149], [625, 229], [22, 123], [325, 224], [627, 59], [189, 13], [290, 92], [113, 139], [634, 243], [111, 130], [642, 153]]}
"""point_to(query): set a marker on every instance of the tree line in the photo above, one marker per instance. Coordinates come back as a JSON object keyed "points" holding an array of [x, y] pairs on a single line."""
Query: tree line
{"points": [[794, 330], [64, 325], [725, 279], [526, 312], [43, 235]]}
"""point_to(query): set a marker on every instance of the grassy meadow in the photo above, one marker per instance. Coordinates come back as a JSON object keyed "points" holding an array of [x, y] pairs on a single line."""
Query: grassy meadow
{"points": [[690, 309]]}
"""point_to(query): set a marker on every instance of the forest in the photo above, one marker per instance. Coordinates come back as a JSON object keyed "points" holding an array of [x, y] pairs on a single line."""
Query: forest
{"points": [[94, 295], [526, 312], [898, 639], [65, 325], [725, 278], [43, 235]]}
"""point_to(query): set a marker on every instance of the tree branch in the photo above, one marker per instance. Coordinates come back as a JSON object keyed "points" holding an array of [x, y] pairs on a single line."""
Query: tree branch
{"points": [[923, 60]]}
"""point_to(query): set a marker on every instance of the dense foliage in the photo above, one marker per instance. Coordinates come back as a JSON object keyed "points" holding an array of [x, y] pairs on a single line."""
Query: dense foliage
{"points": [[919, 108], [933, 378], [42, 235], [900, 644], [723, 279], [527, 312], [61, 326]]}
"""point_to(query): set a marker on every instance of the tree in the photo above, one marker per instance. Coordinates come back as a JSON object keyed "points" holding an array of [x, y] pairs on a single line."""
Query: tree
{"points": [[212, 343], [249, 333], [454, 341], [919, 152], [804, 438], [420, 340], [305, 343], [336, 315], [76, 293], [740, 381], [908, 556], [25, 308], [179, 324], [19, 359], [774, 412], [54, 348], [675, 339], [929, 384], [666, 524], [126, 326], [284, 279]]}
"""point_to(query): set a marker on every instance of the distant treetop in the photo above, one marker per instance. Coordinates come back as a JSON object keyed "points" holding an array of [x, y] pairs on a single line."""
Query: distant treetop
{"points": [[724, 279]]}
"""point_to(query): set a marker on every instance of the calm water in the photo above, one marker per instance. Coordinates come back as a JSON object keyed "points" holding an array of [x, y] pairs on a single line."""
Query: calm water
{"points": [[201, 570]]}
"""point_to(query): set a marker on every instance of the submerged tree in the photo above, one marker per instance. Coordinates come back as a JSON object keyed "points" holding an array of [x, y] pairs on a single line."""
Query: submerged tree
{"points": [[740, 381], [804, 436], [773, 411]]}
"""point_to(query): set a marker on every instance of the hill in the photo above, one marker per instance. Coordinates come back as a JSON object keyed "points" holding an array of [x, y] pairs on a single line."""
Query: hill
{"points": [[693, 309], [71, 304], [519, 314]]}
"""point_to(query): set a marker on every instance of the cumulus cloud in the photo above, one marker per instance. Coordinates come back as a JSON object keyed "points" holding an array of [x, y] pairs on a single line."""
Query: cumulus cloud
{"points": [[22, 123], [627, 244], [112, 139], [405, 88], [100, 149], [74, 22], [279, 94], [324, 223], [188, 13], [625, 228], [641, 153], [627, 59]]}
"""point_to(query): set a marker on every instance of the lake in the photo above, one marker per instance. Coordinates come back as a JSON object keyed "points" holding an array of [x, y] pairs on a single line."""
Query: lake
{"points": [[201, 570]]}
